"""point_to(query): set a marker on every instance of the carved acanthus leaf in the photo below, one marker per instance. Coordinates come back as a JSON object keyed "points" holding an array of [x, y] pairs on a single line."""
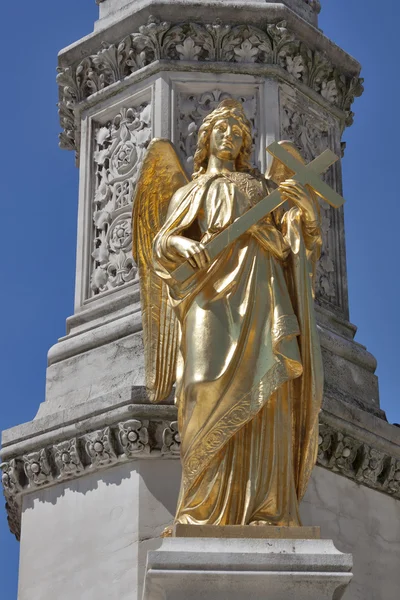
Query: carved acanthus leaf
{"points": [[274, 45]]}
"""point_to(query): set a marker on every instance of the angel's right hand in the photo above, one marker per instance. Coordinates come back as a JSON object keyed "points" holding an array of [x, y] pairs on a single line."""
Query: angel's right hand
{"points": [[194, 252]]}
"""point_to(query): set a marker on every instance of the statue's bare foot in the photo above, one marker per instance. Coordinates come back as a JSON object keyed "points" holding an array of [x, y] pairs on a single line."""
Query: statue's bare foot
{"points": [[261, 523]]}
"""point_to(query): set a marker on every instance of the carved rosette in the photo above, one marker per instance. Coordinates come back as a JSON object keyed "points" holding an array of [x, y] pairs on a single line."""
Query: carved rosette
{"points": [[100, 447], [392, 483], [37, 468], [11, 477], [119, 147], [171, 440], [192, 108], [134, 437], [67, 459], [354, 457], [195, 42]]}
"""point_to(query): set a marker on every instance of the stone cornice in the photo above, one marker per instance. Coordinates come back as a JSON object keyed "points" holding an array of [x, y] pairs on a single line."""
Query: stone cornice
{"points": [[314, 4], [344, 448], [276, 44]]}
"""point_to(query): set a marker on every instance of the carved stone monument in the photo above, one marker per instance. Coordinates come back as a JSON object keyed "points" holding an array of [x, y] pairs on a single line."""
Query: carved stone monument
{"points": [[92, 481]]}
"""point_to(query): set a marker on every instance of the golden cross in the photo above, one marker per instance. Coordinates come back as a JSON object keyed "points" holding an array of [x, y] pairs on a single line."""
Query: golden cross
{"points": [[304, 174]]}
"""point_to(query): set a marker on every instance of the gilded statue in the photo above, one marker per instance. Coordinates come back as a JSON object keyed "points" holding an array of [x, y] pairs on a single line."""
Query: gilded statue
{"points": [[238, 337]]}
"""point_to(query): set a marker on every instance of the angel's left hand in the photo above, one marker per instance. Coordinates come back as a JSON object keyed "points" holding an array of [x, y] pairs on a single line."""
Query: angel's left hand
{"points": [[298, 194]]}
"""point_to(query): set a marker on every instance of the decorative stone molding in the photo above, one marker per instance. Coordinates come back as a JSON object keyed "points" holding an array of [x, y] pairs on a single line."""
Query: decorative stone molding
{"points": [[171, 440], [119, 147], [67, 459], [10, 478], [100, 447], [37, 468], [357, 460], [195, 42], [348, 455], [134, 437]]}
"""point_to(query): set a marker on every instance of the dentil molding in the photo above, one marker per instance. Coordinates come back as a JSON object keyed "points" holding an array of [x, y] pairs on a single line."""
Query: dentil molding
{"points": [[191, 42], [133, 439]]}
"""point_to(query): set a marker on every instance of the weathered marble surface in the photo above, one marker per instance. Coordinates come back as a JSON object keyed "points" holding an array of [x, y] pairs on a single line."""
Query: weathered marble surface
{"points": [[207, 569], [360, 521], [112, 11], [92, 535], [104, 369], [89, 538]]}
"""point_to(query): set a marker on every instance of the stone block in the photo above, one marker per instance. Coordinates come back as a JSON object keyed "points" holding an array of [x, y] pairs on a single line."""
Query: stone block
{"points": [[88, 538], [113, 11], [268, 569]]}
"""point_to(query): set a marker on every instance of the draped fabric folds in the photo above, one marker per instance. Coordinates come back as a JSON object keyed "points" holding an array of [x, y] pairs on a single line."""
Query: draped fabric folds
{"points": [[249, 381]]}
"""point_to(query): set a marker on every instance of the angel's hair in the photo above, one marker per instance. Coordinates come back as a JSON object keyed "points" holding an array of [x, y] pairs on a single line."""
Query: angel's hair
{"points": [[227, 108]]}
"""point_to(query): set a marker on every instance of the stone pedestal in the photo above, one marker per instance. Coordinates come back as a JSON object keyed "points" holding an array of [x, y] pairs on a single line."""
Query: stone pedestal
{"points": [[268, 569]]}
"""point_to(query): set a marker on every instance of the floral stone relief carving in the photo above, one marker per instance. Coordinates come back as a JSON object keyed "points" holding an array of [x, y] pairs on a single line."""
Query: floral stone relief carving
{"points": [[191, 110], [354, 457], [195, 42], [119, 147], [312, 135]]}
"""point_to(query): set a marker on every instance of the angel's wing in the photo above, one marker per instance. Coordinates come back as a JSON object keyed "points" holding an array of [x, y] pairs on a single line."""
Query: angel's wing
{"points": [[161, 175]]}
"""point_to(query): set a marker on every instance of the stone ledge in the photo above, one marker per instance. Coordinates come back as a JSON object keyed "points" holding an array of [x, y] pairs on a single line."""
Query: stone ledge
{"points": [[286, 553], [247, 532], [204, 568], [112, 11], [352, 443], [349, 367]]}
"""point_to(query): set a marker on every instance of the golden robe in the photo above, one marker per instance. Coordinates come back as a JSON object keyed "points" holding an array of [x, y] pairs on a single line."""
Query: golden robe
{"points": [[249, 378]]}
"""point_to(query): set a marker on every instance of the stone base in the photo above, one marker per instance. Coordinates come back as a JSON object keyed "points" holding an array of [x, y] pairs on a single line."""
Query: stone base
{"points": [[246, 532], [217, 569]]}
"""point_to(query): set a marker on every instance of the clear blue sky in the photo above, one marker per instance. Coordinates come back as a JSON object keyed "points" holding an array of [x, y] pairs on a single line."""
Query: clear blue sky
{"points": [[39, 201]]}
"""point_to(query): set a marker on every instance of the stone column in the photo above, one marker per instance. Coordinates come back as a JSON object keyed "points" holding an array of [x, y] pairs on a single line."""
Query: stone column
{"points": [[94, 477]]}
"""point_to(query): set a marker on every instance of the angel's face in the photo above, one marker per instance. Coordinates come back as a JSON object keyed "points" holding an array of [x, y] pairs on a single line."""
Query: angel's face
{"points": [[226, 139]]}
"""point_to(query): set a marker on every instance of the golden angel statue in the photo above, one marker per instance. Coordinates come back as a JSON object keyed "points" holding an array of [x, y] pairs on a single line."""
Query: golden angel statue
{"points": [[238, 337]]}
